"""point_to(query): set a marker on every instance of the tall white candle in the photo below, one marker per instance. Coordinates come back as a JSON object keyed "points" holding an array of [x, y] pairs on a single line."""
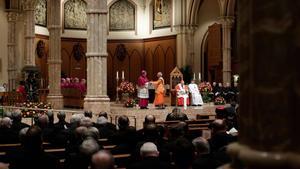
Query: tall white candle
{"points": [[123, 77], [199, 76], [117, 74], [194, 76]]}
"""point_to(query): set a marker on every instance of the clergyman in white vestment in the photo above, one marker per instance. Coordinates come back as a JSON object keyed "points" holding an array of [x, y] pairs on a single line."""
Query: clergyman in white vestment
{"points": [[196, 96]]}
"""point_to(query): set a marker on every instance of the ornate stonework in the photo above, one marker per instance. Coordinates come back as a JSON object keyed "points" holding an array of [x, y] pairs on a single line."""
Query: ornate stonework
{"points": [[162, 13], [40, 13], [122, 16], [75, 14]]}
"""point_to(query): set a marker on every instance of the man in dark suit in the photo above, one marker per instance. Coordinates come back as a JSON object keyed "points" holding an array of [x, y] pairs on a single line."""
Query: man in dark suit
{"points": [[17, 124], [60, 129], [47, 130], [6, 133], [219, 138], [32, 154], [125, 138], [203, 157], [106, 128], [150, 158], [102, 160], [183, 153], [176, 115]]}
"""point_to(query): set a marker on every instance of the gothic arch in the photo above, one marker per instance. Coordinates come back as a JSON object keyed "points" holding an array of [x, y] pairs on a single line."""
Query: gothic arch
{"points": [[227, 7]]}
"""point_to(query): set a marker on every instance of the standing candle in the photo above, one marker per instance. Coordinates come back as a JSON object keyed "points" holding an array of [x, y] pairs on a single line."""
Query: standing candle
{"points": [[199, 76], [194, 76], [123, 77], [117, 74]]}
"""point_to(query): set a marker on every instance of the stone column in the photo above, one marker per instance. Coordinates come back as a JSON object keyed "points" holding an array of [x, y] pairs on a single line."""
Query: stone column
{"points": [[269, 48], [12, 67], [29, 57], [227, 23], [96, 99], [185, 46], [54, 60], [182, 46]]}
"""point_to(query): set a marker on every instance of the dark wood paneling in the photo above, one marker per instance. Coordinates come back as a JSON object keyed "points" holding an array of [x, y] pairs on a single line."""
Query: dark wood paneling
{"points": [[152, 55], [214, 62], [41, 62]]}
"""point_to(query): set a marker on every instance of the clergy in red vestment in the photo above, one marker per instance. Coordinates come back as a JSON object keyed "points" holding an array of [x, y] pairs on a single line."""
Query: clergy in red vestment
{"points": [[143, 92], [182, 95]]}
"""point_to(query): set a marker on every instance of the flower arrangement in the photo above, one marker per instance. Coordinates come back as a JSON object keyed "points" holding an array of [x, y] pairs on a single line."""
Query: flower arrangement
{"points": [[205, 87], [27, 112], [219, 100], [130, 103], [127, 88], [205, 90]]}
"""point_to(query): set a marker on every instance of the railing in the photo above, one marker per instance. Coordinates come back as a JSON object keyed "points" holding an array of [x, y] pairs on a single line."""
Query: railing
{"points": [[13, 108]]}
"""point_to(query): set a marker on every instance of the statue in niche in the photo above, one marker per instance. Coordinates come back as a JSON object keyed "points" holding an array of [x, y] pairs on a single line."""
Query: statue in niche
{"points": [[78, 52], [31, 87], [121, 52], [40, 48], [158, 6]]}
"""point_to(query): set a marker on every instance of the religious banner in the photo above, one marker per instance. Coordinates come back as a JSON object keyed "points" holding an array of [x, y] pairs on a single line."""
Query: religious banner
{"points": [[122, 16], [40, 13], [75, 14], [162, 13]]}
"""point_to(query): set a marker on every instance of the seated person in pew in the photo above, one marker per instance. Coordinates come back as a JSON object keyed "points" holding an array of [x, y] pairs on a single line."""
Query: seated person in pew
{"points": [[182, 95], [17, 123], [125, 138], [103, 160], [32, 154], [82, 157], [7, 135], [175, 115], [106, 128], [150, 158]]}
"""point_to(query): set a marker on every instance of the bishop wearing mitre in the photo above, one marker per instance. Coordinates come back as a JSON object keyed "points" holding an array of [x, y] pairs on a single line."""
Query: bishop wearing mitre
{"points": [[182, 95], [196, 99]]}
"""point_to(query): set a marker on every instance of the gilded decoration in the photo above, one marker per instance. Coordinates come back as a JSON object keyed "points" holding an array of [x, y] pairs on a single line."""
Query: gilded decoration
{"points": [[75, 14], [40, 12], [162, 13], [122, 16]]}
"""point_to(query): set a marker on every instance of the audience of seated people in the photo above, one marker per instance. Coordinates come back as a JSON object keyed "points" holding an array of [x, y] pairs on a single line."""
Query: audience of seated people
{"points": [[152, 147], [230, 93]]}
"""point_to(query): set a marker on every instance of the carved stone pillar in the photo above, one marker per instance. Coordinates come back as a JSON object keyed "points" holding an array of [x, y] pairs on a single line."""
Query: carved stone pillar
{"points": [[182, 46], [185, 46], [54, 60], [227, 23], [96, 99], [12, 68], [269, 48], [28, 6]]}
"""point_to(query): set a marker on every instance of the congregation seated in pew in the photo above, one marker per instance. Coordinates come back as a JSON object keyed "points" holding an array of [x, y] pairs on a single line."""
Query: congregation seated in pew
{"points": [[131, 148]]}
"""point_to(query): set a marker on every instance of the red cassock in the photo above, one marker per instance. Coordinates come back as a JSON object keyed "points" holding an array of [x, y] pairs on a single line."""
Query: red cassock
{"points": [[180, 100], [143, 91]]}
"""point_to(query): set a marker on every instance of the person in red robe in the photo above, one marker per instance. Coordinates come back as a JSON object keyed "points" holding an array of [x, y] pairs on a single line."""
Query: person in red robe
{"points": [[143, 92], [22, 91]]}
